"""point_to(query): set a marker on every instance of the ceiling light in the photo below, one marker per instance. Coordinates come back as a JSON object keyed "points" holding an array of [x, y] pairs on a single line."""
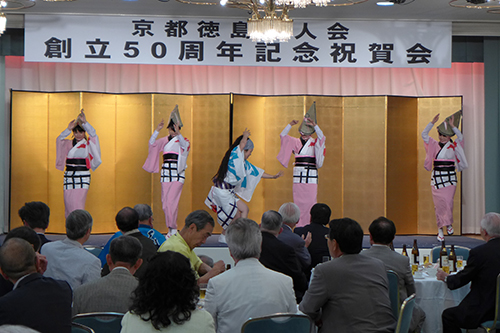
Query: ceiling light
{"points": [[265, 25], [385, 3]]}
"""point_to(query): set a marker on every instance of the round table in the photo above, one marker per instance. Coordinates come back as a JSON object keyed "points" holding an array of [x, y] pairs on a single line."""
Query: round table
{"points": [[433, 296]]}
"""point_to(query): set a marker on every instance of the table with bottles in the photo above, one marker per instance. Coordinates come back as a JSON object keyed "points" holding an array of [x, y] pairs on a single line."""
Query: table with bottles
{"points": [[433, 295]]}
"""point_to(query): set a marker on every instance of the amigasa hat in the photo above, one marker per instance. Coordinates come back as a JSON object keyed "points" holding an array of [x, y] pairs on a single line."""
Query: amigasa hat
{"points": [[445, 129], [175, 116], [305, 128]]}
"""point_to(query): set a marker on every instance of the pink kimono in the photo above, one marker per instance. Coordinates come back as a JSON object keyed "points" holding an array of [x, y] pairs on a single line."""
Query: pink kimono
{"points": [[308, 158], [175, 153], [78, 160], [444, 162]]}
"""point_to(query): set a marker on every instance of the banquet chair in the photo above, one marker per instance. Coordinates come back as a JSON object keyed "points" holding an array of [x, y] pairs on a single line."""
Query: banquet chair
{"points": [[405, 314], [79, 328], [279, 323], [459, 251], [394, 291], [101, 322], [495, 323]]}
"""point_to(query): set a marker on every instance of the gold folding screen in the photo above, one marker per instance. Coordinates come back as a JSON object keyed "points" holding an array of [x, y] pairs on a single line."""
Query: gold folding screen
{"points": [[373, 164]]}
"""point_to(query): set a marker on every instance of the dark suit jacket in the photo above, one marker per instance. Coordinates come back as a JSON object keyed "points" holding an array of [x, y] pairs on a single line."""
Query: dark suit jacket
{"points": [[43, 239], [318, 247], [38, 302], [481, 270], [149, 249], [280, 257], [298, 244]]}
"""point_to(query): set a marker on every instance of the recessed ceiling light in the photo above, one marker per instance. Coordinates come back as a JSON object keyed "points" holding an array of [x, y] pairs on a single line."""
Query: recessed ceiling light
{"points": [[385, 3]]}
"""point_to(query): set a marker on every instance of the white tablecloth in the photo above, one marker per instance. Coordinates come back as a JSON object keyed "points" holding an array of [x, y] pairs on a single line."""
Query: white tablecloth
{"points": [[433, 296]]}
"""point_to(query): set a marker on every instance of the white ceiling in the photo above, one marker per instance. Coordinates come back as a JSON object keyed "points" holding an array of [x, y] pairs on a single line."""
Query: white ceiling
{"points": [[470, 20]]}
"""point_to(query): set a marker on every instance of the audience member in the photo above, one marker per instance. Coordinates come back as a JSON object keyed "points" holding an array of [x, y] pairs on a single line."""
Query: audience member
{"points": [[482, 269], [207, 260], [16, 329], [166, 299], [38, 302], [113, 292], [198, 226], [350, 293], [31, 237], [248, 290], [278, 256], [127, 220], [35, 215], [67, 259], [382, 232], [145, 227], [290, 213], [320, 216]]}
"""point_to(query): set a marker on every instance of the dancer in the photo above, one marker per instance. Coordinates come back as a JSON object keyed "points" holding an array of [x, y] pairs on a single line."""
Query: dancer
{"points": [[79, 155], [235, 176], [443, 158], [309, 156], [175, 150]]}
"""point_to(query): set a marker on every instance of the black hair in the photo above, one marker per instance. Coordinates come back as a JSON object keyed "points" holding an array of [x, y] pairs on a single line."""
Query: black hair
{"points": [[320, 213], [221, 173], [348, 234], [27, 234], [127, 219], [167, 292], [35, 214], [78, 128], [382, 230]]}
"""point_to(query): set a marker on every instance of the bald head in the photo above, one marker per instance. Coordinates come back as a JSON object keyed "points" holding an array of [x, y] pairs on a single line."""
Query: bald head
{"points": [[17, 258]]}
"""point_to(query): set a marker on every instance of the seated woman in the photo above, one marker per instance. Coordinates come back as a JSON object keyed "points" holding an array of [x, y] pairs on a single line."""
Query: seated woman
{"points": [[166, 299]]}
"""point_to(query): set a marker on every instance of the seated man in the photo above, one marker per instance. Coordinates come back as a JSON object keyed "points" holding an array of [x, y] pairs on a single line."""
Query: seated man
{"points": [[127, 220], [113, 292], [31, 237], [382, 232], [320, 216], [35, 215], [278, 256], [349, 294], [481, 271], [248, 290], [198, 226], [38, 302], [290, 213], [145, 227], [67, 259]]}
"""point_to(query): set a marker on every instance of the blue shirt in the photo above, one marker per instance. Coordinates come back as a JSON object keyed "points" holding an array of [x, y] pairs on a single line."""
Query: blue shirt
{"points": [[145, 229]]}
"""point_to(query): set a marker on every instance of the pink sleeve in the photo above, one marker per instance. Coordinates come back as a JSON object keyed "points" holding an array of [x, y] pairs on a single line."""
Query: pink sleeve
{"points": [[287, 144], [62, 149], [152, 163], [431, 149]]}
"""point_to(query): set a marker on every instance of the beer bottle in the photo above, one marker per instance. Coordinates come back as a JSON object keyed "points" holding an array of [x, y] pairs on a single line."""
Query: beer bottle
{"points": [[404, 251], [443, 257], [453, 259], [415, 253]]}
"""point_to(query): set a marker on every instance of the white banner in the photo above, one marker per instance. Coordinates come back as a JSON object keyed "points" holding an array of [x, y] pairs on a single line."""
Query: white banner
{"points": [[223, 42]]}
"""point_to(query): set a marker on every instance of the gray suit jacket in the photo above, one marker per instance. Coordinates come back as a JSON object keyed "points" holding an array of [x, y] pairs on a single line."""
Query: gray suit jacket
{"points": [[401, 265], [350, 294], [298, 244], [111, 293], [247, 290], [398, 263]]}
